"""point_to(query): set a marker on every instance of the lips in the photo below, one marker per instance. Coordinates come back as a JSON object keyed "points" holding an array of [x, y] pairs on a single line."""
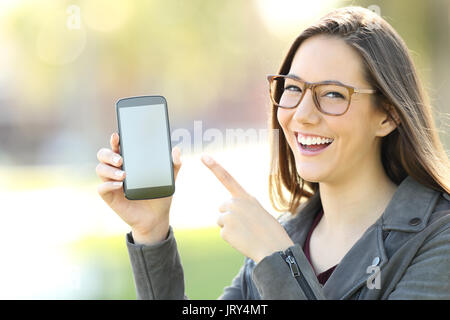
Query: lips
{"points": [[312, 144]]}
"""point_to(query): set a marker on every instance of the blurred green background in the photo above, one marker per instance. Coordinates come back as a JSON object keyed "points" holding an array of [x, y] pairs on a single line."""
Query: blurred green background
{"points": [[63, 66]]}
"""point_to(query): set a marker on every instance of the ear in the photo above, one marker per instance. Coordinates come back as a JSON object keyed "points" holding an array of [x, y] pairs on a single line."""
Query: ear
{"points": [[389, 120]]}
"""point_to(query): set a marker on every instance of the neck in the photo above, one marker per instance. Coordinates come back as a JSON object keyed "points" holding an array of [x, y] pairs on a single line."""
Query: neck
{"points": [[355, 203]]}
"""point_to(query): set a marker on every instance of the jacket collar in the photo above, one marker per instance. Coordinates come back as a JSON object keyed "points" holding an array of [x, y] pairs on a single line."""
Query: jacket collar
{"points": [[408, 211], [410, 201], [298, 226], [410, 208]]}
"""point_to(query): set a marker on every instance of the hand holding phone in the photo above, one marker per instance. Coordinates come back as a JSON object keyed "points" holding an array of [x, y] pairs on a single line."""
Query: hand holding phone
{"points": [[149, 219]]}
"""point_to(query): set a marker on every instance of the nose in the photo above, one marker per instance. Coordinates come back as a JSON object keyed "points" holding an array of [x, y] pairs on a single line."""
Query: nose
{"points": [[306, 111]]}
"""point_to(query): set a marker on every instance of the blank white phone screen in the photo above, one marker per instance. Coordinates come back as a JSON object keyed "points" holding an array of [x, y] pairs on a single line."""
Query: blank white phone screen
{"points": [[145, 141]]}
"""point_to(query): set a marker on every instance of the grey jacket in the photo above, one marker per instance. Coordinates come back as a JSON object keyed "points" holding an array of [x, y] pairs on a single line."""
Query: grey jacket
{"points": [[404, 255]]}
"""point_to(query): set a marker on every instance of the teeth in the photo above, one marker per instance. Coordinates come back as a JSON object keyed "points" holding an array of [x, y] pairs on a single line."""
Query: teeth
{"points": [[314, 140]]}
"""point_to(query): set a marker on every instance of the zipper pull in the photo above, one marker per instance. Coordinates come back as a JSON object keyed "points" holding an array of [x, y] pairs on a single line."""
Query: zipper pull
{"points": [[293, 266], [287, 256]]}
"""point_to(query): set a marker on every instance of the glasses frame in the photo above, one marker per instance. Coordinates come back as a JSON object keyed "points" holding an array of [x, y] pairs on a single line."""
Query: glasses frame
{"points": [[312, 86]]}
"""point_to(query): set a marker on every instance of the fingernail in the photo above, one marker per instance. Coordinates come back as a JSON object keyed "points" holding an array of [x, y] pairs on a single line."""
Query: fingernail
{"points": [[119, 173], [207, 159], [177, 155], [117, 183], [116, 159]]}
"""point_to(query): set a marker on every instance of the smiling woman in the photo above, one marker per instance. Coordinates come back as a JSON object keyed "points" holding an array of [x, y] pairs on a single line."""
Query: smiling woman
{"points": [[357, 131], [381, 136], [347, 47]]}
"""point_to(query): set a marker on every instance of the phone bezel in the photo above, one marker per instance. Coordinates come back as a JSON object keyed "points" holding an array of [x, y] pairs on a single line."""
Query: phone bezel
{"points": [[150, 192]]}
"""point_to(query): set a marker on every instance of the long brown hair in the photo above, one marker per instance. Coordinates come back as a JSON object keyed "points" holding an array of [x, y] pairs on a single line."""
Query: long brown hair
{"points": [[413, 148]]}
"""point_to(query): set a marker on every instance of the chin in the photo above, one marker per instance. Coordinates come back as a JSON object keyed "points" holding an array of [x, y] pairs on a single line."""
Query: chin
{"points": [[311, 173]]}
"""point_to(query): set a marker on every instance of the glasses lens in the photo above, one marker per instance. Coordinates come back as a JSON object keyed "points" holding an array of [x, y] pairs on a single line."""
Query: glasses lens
{"points": [[289, 93], [333, 99]]}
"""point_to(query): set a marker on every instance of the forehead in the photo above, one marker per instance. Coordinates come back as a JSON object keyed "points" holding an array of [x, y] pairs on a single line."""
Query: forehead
{"points": [[321, 58]]}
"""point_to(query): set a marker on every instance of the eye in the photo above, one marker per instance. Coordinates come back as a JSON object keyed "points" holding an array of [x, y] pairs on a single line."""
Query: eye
{"points": [[292, 88], [334, 94]]}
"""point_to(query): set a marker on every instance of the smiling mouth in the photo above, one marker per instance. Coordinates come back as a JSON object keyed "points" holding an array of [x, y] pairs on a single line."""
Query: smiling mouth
{"points": [[312, 143]]}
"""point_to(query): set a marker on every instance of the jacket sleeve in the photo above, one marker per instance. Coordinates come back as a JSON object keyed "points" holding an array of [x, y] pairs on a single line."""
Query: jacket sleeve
{"points": [[428, 275], [157, 270], [235, 290], [275, 280], [158, 273]]}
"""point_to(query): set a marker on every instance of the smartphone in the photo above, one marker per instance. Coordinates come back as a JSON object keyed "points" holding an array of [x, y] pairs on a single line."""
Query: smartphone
{"points": [[145, 146]]}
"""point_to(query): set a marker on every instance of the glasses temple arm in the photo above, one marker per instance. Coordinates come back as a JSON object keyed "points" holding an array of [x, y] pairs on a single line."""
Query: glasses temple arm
{"points": [[365, 90]]}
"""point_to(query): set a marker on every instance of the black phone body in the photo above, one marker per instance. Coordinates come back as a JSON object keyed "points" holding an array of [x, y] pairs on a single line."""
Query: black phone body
{"points": [[145, 146]]}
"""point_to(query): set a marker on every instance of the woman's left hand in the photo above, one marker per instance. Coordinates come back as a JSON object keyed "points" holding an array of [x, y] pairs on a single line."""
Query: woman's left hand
{"points": [[244, 223]]}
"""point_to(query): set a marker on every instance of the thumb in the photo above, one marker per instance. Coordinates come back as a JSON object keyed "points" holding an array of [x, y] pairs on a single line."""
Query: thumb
{"points": [[176, 156]]}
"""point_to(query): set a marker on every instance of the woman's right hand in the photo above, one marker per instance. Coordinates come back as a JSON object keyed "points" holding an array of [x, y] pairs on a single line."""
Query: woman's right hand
{"points": [[148, 219]]}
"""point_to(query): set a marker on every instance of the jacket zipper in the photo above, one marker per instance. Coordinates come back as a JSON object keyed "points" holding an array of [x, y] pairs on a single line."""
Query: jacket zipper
{"points": [[298, 275]]}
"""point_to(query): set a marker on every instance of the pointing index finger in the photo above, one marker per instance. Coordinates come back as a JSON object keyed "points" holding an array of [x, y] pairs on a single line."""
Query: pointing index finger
{"points": [[224, 177]]}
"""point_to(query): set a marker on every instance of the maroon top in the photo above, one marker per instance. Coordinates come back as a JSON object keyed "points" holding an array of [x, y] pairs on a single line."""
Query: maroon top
{"points": [[322, 277]]}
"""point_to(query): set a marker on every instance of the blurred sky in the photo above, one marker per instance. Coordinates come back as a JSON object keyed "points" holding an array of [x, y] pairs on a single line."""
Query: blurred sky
{"points": [[64, 64]]}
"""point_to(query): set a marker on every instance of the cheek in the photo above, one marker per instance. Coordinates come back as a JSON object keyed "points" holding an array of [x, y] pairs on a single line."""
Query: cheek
{"points": [[354, 137], [284, 117]]}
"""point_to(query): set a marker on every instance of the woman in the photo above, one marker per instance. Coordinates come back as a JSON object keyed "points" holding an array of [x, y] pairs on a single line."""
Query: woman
{"points": [[358, 163]]}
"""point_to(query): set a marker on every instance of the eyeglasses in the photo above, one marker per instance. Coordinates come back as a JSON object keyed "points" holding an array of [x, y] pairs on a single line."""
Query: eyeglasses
{"points": [[330, 97]]}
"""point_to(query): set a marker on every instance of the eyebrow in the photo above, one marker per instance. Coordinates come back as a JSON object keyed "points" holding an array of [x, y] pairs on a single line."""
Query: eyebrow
{"points": [[325, 81]]}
